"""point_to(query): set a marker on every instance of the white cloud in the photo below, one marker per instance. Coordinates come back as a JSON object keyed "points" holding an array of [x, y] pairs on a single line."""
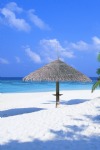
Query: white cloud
{"points": [[85, 46], [68, 54], [3, 61], [17, 59], [11, 19], [96, 43], [96, 40], [52, 49], [36, 20], [33, 56], [81, 45], [11, 14], [14, 7]]}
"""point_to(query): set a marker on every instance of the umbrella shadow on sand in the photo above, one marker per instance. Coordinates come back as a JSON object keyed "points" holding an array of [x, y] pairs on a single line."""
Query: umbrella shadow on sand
{"points": [[74, 101], [18, 111], [69, 102]]}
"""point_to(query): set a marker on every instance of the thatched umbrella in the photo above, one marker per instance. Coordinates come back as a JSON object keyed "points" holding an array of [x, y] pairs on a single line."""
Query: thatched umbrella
{"points": [[57, 71]]}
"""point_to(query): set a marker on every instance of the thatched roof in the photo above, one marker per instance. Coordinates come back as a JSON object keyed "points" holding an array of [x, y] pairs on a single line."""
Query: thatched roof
{"points": [[56, 71]]}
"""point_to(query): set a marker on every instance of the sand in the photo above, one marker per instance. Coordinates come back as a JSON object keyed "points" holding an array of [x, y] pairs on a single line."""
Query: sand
{"points": [[30, 121]]}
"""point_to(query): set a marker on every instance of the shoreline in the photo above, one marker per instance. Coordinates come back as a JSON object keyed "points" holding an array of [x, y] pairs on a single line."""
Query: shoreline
{"points": [[67, 94], [73, 90]]}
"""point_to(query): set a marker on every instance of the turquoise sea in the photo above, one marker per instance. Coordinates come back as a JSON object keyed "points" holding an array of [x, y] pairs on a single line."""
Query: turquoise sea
{"points": [[16, 85]]}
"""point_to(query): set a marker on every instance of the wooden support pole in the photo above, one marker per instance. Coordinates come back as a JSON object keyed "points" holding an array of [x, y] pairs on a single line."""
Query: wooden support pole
{"points": [[57, 94]]}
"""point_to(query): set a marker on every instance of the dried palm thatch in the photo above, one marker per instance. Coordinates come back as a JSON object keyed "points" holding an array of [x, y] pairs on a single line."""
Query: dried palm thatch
{"points": [[57, 71]]}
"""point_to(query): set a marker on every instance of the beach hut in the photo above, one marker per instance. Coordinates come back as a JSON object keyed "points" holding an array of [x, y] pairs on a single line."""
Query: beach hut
{"points": [[57, 71]]}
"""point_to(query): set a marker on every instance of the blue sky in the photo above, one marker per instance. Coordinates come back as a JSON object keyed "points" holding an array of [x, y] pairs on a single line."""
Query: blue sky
{"points": [[33, 32]]}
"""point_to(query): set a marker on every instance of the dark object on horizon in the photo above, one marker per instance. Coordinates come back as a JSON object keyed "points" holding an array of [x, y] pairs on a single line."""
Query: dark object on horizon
{"points": [[57, 71]]}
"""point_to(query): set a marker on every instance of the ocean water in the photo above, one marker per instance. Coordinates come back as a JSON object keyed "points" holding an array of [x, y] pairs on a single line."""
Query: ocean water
{"points": [[16, 85]]}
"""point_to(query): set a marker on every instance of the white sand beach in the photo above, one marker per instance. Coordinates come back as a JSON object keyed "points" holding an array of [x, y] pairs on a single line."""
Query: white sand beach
{"points": [[30, 121]]}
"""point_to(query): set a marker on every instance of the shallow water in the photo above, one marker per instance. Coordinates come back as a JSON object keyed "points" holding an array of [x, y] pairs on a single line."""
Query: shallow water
{"points": [[16, 85]]}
